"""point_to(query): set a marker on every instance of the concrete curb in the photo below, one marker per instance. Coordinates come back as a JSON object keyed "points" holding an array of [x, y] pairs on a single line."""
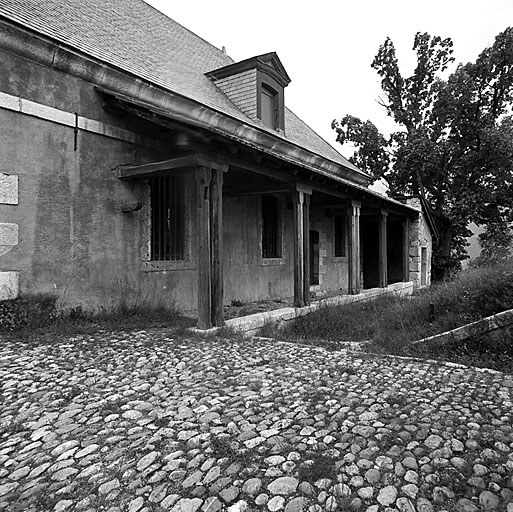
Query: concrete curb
{"points": [[251, 324], [491, 323]]}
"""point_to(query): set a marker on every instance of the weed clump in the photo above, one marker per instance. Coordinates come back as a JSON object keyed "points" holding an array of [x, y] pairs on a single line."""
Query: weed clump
{"points": [[28, 312], [32, 316], [393, 322]]}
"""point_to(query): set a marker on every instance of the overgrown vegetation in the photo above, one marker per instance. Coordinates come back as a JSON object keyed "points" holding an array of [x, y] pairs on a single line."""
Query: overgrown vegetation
{"points": [[391, 323], [452, 144], [36, 315]]}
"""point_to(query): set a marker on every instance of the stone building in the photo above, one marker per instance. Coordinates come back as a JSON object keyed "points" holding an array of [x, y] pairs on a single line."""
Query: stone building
{"points": [[138, 162]]}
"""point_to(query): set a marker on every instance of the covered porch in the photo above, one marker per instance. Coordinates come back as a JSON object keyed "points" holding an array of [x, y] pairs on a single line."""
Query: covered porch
{"points": [[260, 230], [248, 221]]}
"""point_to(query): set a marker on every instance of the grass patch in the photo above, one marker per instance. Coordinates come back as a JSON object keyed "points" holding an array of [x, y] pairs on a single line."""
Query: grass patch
{"points": [[317, 466], [37, 317], [392, 322], [488, 351], [239, 308]]}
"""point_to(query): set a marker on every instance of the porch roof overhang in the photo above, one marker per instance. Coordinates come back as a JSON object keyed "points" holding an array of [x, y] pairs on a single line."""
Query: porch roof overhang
{"points": [[189, 114], [297, 165], [147, 99]]}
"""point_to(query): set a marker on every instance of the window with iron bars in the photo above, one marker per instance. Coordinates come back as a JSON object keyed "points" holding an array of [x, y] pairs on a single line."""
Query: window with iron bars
{"points": [[167, 219], [340, 235], [271, 228]]}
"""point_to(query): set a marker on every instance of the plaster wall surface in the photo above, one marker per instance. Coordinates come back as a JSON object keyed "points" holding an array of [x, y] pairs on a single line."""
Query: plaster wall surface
{"points": [[333, 271], [74, 241], [248, 276]]}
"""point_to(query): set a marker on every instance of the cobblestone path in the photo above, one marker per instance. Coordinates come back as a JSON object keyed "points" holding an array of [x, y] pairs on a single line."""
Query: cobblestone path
{"points": [[144, 422]]}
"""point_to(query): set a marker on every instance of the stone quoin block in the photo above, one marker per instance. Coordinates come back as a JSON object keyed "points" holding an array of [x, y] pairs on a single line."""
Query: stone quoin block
{"points": [[8, 188], [8, 237], [9, 285]]}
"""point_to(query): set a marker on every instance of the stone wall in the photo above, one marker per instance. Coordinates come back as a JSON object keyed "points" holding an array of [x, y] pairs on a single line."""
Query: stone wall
{"points": [[420, 251], [63, 232], [9, 279]]}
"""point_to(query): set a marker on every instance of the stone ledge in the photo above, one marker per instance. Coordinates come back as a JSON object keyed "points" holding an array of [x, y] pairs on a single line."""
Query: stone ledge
{"points": [[249, 325], [478, 328]]}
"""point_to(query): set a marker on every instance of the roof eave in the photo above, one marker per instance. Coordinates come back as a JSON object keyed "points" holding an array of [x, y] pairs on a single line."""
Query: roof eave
{"points": [[55, 55]]}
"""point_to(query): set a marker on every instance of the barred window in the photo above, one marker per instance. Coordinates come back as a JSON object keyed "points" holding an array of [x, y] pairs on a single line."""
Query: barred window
{"points": [[271, 228], [167, 219], [340, 235]]}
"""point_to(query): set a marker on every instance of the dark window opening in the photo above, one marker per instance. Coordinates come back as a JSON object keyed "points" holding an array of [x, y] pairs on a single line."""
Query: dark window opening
{"points": [[167, 219], [269, 107], [271, 227], [314, 257], [340, 236]]}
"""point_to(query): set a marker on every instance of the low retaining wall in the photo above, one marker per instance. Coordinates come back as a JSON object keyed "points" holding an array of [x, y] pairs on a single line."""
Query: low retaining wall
{"points": [[499, 322], [251, 324]]}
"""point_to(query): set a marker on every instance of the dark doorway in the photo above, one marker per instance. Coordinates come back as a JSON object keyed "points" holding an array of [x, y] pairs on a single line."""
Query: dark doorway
{"points": [[423, 266], [314, 257], [369, 246], [395, 252]]}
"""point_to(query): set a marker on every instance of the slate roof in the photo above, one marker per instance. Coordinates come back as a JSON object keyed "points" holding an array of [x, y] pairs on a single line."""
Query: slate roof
{"points": [[137, 38]]}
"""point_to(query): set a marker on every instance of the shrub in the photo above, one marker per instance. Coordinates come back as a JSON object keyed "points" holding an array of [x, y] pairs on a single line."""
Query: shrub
{"points": [[28, 311]]}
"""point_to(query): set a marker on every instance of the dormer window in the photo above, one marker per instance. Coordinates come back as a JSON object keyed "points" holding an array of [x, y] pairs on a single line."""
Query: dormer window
{"points": [[270, 102], [269, 107], [256, 87]]}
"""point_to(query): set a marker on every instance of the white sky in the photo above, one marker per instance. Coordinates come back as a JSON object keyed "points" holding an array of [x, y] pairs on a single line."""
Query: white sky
{"points": [[327, 46]]}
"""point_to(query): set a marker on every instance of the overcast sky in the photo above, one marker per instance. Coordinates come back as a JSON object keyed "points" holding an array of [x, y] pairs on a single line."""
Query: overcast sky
{"points": [[327, 46]]}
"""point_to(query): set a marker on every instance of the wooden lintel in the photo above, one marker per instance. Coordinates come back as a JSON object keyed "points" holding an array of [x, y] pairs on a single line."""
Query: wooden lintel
{"points": [[253, 192], [143, 112], [175, 165], [335, 205]]}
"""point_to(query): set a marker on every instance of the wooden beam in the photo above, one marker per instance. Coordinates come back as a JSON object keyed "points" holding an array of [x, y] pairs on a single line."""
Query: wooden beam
{"points": [[335, 205], [216, 250], [354, 248], [256, 191], [126, 105], [179, 164], [382, 257], [203, 179]]}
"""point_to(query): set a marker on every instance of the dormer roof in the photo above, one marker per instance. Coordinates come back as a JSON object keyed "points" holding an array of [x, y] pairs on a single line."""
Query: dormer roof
{"points": [[268, 63]]}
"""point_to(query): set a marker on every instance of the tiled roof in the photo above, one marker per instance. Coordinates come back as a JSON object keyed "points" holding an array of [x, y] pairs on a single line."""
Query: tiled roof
{"points": [[137, 38]]}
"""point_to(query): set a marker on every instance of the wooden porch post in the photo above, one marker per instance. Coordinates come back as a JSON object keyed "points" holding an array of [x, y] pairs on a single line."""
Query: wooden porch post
{"points": [[306, 248], [216, 247], [354, 247], [383, 263], [406, 249], [203, 179], [301, 244], [297, 198]]}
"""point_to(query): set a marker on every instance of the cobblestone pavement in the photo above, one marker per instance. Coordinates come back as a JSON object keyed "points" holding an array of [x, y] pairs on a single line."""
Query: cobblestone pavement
{"points": [[144, 422]]}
